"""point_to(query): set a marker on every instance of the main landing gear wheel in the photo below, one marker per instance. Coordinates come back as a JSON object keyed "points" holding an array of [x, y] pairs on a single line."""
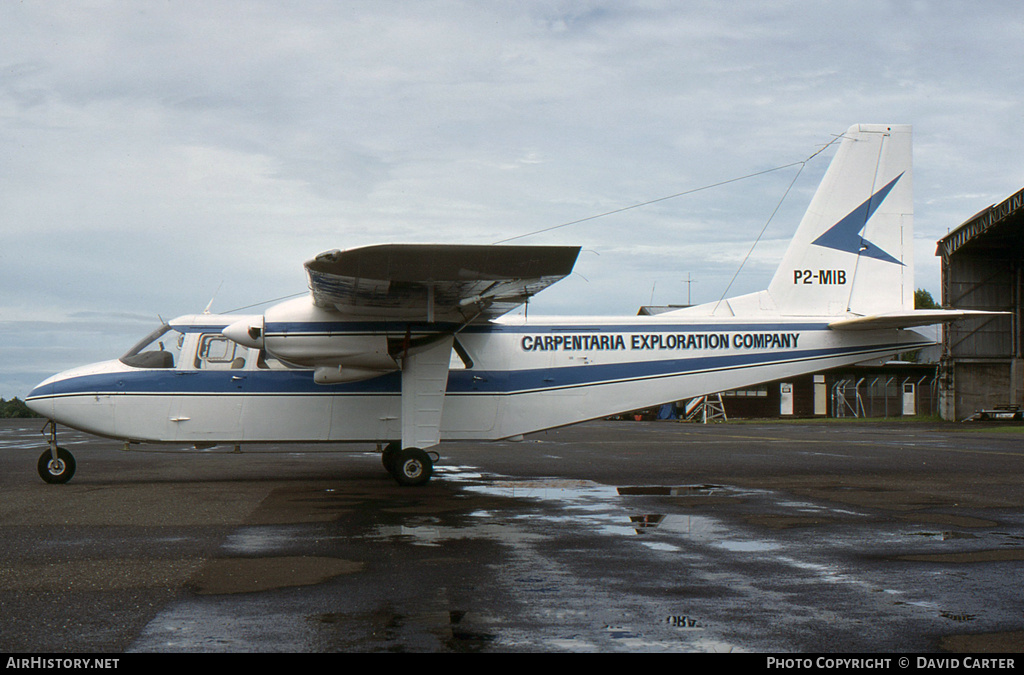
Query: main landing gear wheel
{"points": [[409, 467], [413, 467], [389, 456], [58, 470]]}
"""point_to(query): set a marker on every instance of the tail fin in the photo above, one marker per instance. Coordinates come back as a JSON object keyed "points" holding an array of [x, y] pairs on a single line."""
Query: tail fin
{"points": [[853, 251]]}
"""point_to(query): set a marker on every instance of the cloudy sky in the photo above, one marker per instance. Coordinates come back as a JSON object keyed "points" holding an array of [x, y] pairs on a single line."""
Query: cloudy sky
{"points": [[158, 154]]}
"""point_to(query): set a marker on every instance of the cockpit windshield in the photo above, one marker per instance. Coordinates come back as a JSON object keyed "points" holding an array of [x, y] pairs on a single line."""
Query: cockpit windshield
{"points": [[155, 350]]}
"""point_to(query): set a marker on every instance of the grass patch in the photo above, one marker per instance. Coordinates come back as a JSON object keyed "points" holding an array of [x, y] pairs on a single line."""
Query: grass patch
{"points": [[902, 419]]}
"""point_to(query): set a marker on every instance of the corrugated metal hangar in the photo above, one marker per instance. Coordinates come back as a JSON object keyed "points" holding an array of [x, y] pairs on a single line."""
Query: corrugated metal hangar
{"points": [[982, 366]]}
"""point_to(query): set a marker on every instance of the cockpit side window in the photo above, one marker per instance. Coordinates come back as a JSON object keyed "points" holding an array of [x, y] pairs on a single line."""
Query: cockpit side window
{"points": [[216, 352]]}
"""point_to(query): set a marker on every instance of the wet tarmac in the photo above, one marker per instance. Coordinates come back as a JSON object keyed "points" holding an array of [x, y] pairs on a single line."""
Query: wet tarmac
{"points": [[608, 536]]}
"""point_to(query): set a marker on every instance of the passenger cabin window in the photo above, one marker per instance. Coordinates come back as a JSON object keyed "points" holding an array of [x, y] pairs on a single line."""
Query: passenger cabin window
{"points": [[216, 352]]}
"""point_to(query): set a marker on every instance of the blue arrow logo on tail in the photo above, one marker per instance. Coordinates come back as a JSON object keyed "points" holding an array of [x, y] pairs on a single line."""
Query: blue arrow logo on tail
{"points": [[845, 235]]}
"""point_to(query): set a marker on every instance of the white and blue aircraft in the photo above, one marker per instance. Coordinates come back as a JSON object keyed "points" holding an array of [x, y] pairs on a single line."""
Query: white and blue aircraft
{"points": [[412, 345]]}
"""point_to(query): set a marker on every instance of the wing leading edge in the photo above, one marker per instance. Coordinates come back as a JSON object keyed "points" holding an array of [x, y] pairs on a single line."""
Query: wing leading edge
{"points": [[435, 282]]}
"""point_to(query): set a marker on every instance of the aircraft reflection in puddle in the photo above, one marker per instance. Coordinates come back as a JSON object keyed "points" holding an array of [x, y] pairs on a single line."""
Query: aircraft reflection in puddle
{"points": [[603, 507]]}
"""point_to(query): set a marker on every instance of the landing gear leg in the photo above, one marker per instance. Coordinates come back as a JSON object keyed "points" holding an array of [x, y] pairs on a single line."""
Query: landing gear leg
{"points": [[56, 465]]}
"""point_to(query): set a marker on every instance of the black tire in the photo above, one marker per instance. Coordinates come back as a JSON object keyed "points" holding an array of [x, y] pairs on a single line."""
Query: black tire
{"points": [[59, 471], [412, 467], [390, 456]]}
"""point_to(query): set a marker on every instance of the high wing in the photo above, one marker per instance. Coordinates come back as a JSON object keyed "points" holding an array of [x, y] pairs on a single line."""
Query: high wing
{"points": [[435, 282]]}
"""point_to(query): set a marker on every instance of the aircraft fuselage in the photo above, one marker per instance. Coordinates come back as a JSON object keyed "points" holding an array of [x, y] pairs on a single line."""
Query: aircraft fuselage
{"points": [[506, 378]]}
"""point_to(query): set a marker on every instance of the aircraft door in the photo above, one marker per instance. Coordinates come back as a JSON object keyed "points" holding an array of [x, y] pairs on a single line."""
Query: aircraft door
{"points": [[209, 398], [473, 409]]}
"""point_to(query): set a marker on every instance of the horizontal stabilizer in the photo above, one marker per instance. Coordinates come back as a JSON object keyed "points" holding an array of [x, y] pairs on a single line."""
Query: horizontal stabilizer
{"points": [[919, 317]]}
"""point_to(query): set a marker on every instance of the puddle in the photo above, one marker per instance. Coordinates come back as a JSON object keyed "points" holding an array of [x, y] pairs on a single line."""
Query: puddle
{"points": [[258, 540], [607, 509], [749, 546], [671, 523], [670, 491], [944, 536]]}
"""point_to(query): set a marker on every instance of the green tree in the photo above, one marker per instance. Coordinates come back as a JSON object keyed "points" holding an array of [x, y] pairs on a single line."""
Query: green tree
{"points": [[924, 300], [15, 408]]}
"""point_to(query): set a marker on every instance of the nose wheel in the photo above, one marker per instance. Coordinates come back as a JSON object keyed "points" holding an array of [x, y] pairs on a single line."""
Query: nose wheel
{"points": [[57, 469], [56, 464]]}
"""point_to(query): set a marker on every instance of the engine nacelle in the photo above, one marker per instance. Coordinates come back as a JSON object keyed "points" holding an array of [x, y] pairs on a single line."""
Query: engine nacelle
{"points": [[338, 348], [300, 333]]}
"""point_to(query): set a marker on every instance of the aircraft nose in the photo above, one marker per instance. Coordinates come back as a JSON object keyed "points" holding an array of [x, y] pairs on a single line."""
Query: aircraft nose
{"points": [[40, 399], [247, 332]]}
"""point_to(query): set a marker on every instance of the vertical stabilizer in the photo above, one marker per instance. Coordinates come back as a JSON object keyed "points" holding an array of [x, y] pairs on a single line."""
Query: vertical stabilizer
{"points": [[853, 250]]}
